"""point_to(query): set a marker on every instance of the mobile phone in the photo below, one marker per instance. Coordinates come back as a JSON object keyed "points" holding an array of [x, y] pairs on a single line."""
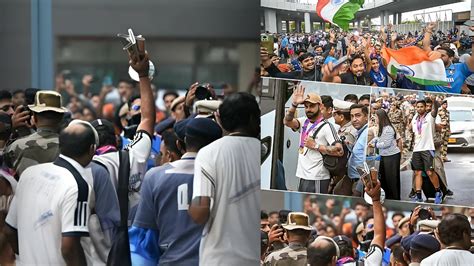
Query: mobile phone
{"points": [[339, 61], [266, 41], [107, 81], [346, 204]]}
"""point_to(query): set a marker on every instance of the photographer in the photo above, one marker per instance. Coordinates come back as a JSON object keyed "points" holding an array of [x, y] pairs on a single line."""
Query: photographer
{"points": [[356, 75], [197, 92], [298, 232], [309, 70]]}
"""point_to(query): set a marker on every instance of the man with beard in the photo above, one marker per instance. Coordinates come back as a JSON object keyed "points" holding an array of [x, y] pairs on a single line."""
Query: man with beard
{"points": [[313, 176], [456, 73], [308, 72], [423, 125], [356, 75]]}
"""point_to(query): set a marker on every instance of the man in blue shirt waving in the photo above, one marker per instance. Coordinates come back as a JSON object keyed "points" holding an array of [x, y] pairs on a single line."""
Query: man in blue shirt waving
{"points": [[456, 73]]}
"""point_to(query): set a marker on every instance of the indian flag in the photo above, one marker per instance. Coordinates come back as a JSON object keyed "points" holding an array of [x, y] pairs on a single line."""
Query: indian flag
{"points": [[417, 65], [338, 12]]}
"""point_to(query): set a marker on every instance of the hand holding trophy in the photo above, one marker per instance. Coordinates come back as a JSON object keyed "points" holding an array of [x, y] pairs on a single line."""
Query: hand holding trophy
{"points": [[140, 65]]}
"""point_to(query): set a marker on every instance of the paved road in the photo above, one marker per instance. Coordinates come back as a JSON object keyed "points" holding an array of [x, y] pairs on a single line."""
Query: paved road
{"points": [[459, 174]]}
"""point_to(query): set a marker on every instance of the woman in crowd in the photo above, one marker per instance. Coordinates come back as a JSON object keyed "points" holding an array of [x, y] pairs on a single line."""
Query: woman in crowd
{"points": [[386, 142]]}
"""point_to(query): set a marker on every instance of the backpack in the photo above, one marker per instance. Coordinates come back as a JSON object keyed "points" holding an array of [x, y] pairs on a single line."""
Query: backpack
{"points": [[120, 251], [337, 166]]}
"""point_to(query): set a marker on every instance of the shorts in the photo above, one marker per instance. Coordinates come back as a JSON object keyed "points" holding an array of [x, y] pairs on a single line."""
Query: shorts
{"points": [[314, 186], [422, 160]]}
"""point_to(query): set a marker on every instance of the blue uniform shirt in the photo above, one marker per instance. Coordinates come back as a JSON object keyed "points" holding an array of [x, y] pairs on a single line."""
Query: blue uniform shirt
{"points": [[358, 153], [165, 196], [456, 75]]}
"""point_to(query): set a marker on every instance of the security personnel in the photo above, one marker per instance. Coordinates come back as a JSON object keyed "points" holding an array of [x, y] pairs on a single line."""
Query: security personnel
{"points": [[43, 145], [445, 130], [298, 232]]}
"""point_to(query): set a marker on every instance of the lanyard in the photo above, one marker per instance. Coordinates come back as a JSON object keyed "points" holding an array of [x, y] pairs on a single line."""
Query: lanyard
{"points": [[304, 132], [105, 149], [419, 123], [357, 81]]}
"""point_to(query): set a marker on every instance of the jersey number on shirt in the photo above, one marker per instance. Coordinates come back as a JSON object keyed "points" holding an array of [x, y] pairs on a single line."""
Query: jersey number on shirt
{"points": [[183, 197]]}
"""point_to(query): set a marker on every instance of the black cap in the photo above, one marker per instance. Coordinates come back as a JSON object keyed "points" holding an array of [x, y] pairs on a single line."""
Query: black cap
{"points": [[343, 241], [103, 126], [180, 128], [203, 128]]}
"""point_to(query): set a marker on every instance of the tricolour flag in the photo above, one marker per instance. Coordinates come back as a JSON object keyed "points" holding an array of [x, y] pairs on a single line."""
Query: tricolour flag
{"points": [[416, 64], [338, 12]]}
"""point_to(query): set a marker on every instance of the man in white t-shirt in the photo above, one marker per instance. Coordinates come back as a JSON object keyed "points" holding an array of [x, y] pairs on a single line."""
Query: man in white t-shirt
{"points": [[423, 126], [454, 233], [139, 149], [226, 187], [50, 210], [317, 136]]}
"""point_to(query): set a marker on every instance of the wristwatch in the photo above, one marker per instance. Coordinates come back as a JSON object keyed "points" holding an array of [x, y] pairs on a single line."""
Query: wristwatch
{"points": [[294, 105]]}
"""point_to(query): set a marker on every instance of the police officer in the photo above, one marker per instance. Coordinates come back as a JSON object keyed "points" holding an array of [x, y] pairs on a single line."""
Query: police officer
{"points": [[298, 232]]}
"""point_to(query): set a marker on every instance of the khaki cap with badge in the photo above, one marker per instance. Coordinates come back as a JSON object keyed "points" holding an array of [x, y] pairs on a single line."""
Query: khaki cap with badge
{"points": [[297, 220], [47, 101]]}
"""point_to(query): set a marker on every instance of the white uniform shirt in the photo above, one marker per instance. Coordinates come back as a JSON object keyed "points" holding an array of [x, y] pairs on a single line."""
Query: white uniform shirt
{"points": [[449, 257], [424, 141], [48, 204], [310, 162], [228, 171]]}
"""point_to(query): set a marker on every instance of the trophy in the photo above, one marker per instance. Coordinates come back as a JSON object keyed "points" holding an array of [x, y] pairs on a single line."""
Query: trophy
{"points": [[366, 174], [135, 45]]}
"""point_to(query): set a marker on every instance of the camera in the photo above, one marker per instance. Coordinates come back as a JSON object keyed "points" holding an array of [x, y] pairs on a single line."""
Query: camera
{"points": [[424, 214], [202, 92], [318, 60]]}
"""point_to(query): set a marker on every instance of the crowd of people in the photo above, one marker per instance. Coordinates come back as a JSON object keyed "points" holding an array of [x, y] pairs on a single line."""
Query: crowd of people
{"points": [[409, 128], [90, 179], [388, 131], [356, 57], [334, 231]]}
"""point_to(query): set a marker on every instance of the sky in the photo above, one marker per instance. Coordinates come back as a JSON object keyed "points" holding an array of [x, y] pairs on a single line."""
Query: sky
{"points": [[457, 7], [443, 11]]}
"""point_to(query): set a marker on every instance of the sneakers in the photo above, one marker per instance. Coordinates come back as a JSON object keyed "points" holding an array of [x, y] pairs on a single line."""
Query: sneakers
{"points": [[449, 193], [412, 193], [416, 199], [438, 197]]}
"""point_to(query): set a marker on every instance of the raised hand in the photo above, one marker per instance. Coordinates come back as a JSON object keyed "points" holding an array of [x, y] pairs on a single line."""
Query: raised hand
{"points": [[141, 65], [430, 27], [394, 36], [265, 57], [87, 80], [275, 234], [298, 95]]}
